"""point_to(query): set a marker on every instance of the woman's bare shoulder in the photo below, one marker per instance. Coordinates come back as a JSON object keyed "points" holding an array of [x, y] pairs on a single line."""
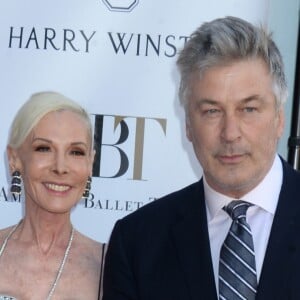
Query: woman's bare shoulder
{"points": [[89, 245], [5, 231]]}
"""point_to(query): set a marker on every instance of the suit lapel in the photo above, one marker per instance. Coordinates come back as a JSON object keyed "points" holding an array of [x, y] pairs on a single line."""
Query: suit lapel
{"points": [[191, 242], [275, 276]]}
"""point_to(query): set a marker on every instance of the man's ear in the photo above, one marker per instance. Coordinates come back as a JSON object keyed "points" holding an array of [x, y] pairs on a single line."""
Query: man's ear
{"points": [[281, 122], [188, 130]]}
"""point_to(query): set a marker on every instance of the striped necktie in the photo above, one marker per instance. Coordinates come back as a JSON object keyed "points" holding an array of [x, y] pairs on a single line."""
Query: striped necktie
{"points": [[237, 271]]}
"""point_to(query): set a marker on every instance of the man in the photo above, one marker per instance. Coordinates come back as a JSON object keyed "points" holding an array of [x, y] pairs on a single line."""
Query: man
{"points": [[192, 244]]}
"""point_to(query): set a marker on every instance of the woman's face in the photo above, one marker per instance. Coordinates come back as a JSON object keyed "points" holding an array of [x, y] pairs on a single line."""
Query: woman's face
{"points": [[55, 161]]}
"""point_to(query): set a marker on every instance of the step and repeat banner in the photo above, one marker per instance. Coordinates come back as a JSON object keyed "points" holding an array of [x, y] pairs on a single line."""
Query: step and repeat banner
{"points": [[117, 59]]}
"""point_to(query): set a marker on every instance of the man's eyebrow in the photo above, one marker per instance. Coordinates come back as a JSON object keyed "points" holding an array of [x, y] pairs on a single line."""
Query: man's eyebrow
{"points": [[252, 98], [207, 101], [216, 102]]}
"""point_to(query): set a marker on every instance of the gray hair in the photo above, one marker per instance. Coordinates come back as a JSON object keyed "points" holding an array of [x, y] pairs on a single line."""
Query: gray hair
{"points": [[223, 41], [35, 108]]}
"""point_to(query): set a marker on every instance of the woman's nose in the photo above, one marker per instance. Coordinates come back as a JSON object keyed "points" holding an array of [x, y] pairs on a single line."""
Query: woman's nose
{"points": [[60, 164]]}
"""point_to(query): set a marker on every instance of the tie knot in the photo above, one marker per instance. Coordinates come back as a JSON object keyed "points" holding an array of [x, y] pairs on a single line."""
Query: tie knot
{"points": [[237, 209]]}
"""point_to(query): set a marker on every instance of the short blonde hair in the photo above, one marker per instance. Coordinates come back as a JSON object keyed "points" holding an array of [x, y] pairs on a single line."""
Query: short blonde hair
{"points": [[35, 108]]}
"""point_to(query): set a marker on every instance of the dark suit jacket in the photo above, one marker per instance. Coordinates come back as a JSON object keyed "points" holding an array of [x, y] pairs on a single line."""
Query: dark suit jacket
{"points": [[162, 252]]}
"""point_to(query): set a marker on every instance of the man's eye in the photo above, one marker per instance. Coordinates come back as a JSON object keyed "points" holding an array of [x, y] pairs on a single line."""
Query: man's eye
{"points": [[211, 112], [250, 109]]}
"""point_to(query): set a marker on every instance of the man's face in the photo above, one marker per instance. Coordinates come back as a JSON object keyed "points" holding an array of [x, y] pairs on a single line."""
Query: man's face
{"points": [[234, 125]]}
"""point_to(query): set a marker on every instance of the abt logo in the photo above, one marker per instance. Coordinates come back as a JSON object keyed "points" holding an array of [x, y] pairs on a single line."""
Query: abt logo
{"points": [[123, 145], [121, 5]]}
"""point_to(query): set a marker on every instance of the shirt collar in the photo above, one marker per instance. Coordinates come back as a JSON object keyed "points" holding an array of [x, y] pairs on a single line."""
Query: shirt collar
{"points": [[265, 195]]}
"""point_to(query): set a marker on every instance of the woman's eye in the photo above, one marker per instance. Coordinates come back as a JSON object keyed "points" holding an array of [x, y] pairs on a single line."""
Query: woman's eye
{"points": [[78, 152], [42, 148]]}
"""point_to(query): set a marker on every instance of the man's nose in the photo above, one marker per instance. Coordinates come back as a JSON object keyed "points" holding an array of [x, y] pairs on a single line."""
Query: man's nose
{"points": [[230, 130]]}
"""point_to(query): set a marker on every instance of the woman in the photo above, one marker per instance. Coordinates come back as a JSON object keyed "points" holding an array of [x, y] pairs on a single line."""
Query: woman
{"points": [[50, 151]]}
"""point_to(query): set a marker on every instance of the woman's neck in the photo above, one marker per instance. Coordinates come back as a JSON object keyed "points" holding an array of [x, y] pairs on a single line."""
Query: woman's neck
{"points": [[45, 233]]}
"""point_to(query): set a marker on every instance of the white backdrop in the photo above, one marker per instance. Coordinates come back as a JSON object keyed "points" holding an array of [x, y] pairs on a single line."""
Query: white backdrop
{"points": [[117, 58]]}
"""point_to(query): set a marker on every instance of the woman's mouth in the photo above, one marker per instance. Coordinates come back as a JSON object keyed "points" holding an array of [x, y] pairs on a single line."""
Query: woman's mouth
{"points": [[57, 187]]}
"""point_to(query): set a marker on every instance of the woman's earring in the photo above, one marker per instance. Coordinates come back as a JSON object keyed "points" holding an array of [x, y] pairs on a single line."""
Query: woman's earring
{"points": [[16, 183], [86, 192]]}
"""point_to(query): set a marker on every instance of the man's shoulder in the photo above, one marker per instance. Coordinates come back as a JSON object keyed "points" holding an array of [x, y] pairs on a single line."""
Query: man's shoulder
{"points": [[168, 205], [291, 178], [288, 168]]}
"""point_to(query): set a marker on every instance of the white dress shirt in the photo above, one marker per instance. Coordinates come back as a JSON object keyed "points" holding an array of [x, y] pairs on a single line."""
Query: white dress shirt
{"points": [[259, 216]]}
